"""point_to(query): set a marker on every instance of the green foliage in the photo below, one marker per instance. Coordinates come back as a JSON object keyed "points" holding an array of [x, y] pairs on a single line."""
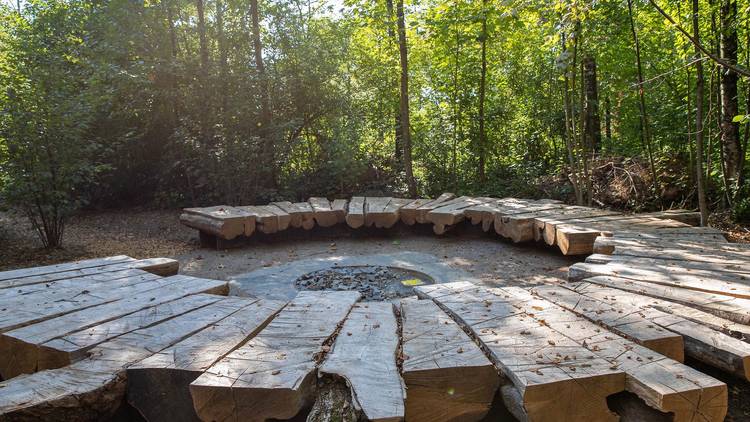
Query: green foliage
{"points": [[109, 103]]}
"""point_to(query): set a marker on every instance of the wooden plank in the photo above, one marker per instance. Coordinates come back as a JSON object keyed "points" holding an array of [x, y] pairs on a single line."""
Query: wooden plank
{"points": [[618, 318], [339, 206], [284, 220], [24, 350], [662, 383], [723, 283], [74, 346], [222, 221], [736, 310], [391, 212], [295, 215], [701, 342], [374, 210], [68, 266], [158, 386], [420, 216], [523, 230], [578, 239], [692, 218], [538, 361], [740, 267], [447, 376], [322, 212], [31, 294], [364, 354], [265, 221], [158, 266], [308, 215], [94, 388], [545, 225], [355, 218], [273, 375], [408, 213], [729, 253], [452, 214], [12, 317]]}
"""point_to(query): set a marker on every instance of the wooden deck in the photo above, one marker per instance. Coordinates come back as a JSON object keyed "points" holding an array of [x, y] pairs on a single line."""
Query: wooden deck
{"points": [[78, 340]]}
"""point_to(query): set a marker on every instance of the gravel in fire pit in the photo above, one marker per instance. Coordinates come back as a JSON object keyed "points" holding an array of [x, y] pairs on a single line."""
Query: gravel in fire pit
{"points": [[376, 283]]}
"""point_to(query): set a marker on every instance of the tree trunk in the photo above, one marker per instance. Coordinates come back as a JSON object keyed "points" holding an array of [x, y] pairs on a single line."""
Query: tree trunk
{"points": [[203, 95], [570, 132], [592, 124], [482, 86], [607, 120], [394, 86], [268, 153], [730, 136], [223, 71], [699, 121], [404, 103], [645, 130]]}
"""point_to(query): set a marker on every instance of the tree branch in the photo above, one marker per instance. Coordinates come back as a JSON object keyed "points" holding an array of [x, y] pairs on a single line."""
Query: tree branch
{"points": [[737, 69]]}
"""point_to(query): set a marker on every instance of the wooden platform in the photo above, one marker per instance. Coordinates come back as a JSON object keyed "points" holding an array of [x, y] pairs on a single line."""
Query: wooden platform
{"points": [[78, 340]]}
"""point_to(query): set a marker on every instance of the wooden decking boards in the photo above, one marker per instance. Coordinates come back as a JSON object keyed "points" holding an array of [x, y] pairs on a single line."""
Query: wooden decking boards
{"points": [[364, 354], [32, 347], [94, 388], [158, 386], [447, 376], [273, 375], [663, 383], [657, 290]]}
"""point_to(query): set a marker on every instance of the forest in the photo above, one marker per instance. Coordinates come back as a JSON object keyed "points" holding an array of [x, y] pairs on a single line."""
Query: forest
{"points": [[629, 104]]}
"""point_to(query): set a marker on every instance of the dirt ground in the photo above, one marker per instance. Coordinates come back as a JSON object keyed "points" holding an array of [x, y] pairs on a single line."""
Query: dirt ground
{"points": [[145, 233]]}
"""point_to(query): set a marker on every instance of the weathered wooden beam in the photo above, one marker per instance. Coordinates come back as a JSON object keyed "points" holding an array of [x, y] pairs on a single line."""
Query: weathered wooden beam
{"points": [[324, 215], [364, 354], [447, 376], [68, 266], [222, 221], [32, 347], [273, 375], [158, 386]]}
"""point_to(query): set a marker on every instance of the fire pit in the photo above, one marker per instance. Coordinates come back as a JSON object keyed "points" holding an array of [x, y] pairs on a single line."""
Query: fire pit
{"points": [[377, 277], [378, 283]]}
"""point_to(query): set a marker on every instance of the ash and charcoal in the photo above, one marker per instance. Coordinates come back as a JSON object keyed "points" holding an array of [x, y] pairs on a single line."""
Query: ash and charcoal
{"points": [[375, 283]]}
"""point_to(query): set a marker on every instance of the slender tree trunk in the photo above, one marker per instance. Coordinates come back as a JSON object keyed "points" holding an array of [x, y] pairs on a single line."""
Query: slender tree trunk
{"points": [[223, 71], [592, 122], [730, 136], [454, 95], [699, 121], [265, 107], [405, 124], [570, 131], [394, 86], [482, 88], [607, 120], [203, 95], [645, 129]]}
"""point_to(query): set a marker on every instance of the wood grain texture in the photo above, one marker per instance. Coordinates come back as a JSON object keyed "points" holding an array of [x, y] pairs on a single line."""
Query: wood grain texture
{"points": [[364, 354], [273, 375], [447, 376], [158, 386]]}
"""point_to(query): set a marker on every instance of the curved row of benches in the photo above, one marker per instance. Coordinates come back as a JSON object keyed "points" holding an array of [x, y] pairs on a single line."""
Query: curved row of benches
{"points": [[87, 335], [572, 228]]}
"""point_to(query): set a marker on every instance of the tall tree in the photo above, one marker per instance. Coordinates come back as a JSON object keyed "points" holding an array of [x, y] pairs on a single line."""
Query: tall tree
{"points": [[482, 88], [645, 128], [591, 123], [404, 101], [702, 204], [268, 145], [730, 135], [394, 84]]}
